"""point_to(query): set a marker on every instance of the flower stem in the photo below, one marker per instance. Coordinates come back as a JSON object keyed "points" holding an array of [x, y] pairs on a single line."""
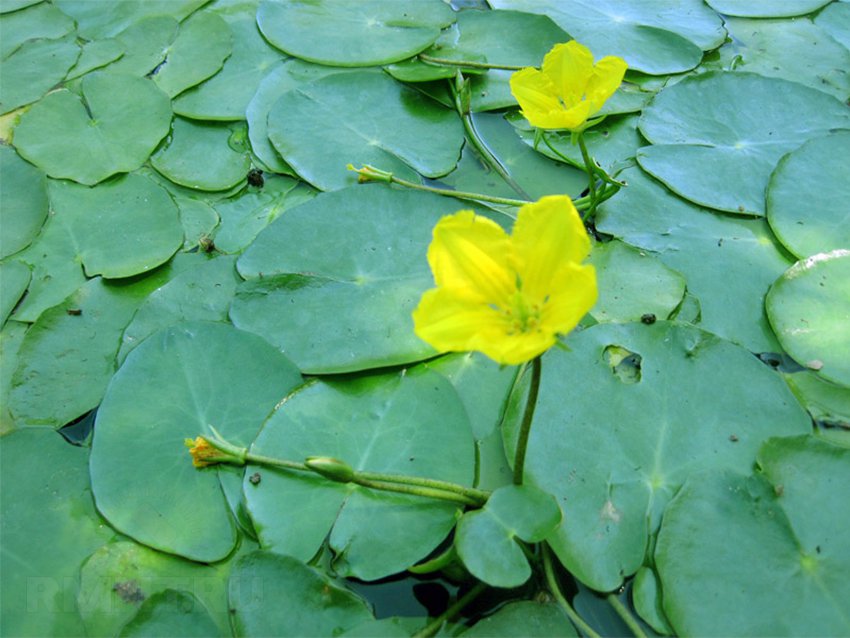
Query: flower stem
{"points": [[430, 59], [435, 564], [552, 581], [527, 417], [400, 483], [434, 626], [460, 92], [627, 617]]}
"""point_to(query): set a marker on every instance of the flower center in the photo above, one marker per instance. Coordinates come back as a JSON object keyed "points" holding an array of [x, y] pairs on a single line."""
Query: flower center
{"points": [[523, 316]]}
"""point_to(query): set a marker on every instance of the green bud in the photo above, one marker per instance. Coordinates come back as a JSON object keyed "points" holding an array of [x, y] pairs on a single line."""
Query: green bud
{"points": [[331, 468]]}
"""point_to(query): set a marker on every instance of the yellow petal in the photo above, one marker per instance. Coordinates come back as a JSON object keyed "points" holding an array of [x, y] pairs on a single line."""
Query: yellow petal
{"points": [[576, 294], [451, 324], [548, 236], [569, 66], [607, 76], [535, 94], [472, 256]]}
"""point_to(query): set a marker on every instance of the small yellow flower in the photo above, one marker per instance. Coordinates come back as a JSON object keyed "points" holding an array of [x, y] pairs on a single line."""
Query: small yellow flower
{"points": [[507, 296], [203, 454], [568, 89]]}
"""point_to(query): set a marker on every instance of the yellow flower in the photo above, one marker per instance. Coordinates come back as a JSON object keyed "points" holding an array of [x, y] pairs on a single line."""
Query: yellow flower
{"points": [[204, 453], [568, 89], [507, 296]]}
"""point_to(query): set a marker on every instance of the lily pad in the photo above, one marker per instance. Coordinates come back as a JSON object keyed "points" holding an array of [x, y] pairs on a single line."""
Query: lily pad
{"points": [[317, 132], [527, 618], [112, 128], [197, 155], [171, 612], [819, 221], [411, 423], [46, 500], [15, 5], [479, 36], [94, 55], [835, 20], [486, 539], [740, 124], [699, 244], [119, 577], [777, 536], [97, 20], [809, 308], [123, 227], [33, 69], [273, 595], [795, 50], [633, 284], [15, 277], [678, 400], [370, 33], [827, 403], [68, 356], [320, 307], [43, 21], [176, 384], [226, 95], [766, 8], [668, 39], [146, 43], [23, 202], [199, 293], [287, 76], [11, 337], [198, 52]]}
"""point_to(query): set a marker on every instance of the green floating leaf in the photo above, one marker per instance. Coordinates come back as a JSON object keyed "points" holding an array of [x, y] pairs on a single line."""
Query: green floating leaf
{"points": [[812, 220], [826, 402], [199, 293], [243, 217], [766, 8], [94, 55], [486, 539], [41, 21], [809, 308], [198, 218], [23, 202], [370, 33], [646, 597], [778, 536], [171, 613], [699, 245], [226, 95], [112, 128], [633, 284], [678, 400], [49, 526], [668, 39], [11, 337], [199, 51], [146, 43], [835, 20], [33, 69], [99, 20], [479, 36], [740, 124], [15, 276], [349, 308], [68, 356], [120, 228], [14, 5], [317, 132], [197, 155], [524, 618], [120, 576], [287, 76], [411, 423], [795, 50], [273, 595], [175, 385]]}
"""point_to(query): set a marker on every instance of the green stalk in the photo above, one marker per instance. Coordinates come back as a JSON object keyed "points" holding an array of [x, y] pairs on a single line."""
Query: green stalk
{"points": [[434, 626], [430, 59], [627, 617], [590, 169], [552, 581], [527, 417], [401, 488], [478, 496]]}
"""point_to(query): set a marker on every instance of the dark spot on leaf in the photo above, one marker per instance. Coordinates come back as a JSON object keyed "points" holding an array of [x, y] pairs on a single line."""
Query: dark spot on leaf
{"points": [[129, 591], [647, 318], [255, 478], [74, 312], [734, 438], [255, 178]]}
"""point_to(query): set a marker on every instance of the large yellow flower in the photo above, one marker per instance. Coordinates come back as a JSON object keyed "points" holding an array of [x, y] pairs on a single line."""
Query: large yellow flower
{"points": [[568, 89], [507, 296]]}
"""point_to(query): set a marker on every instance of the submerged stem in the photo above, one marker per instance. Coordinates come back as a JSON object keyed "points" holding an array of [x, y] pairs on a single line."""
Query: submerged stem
{"points": [[434, 626], [627, 617], [552, 581], [527, 417], [430, 59]]}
